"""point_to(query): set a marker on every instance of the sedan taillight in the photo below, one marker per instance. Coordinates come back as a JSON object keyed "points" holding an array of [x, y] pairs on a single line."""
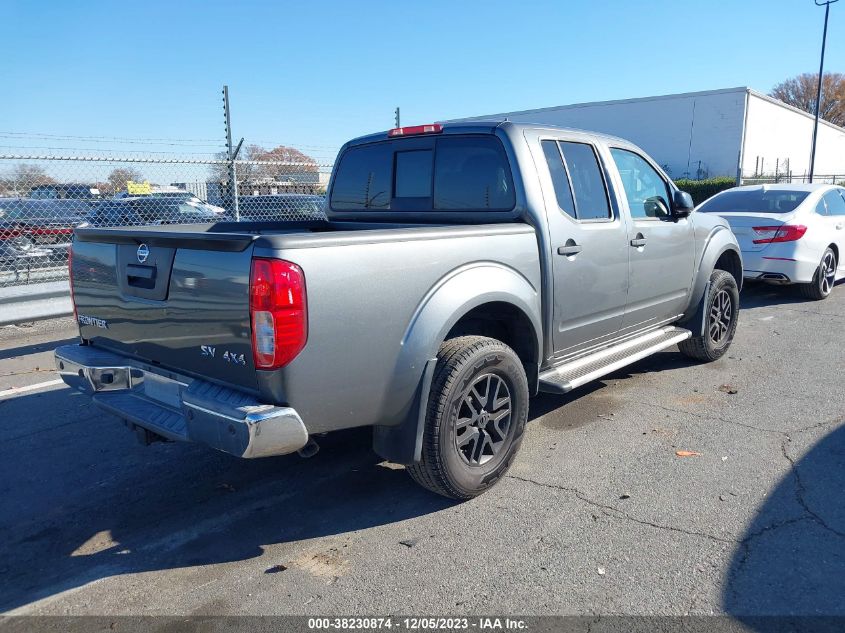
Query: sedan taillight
{"points": [[782, 233], [278, 312]]}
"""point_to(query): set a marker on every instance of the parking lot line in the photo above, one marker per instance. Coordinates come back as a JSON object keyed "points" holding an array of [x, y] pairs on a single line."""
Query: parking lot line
{"points": [[40, 385]]}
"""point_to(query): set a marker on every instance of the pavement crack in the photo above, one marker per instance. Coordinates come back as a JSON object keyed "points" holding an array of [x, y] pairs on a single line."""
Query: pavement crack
{"points": [[800, 490], [614, 512], [818, 425], [703, 416], [813, 312]]}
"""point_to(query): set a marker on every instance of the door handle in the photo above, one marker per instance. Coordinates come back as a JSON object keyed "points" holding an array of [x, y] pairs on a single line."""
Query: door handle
{"points": [[570, 248], [638, 241], [839, 226]]}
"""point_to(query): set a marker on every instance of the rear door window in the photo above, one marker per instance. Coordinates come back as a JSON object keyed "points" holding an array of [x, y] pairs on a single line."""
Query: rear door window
{"points": [[587, 181], [835, 203], [560, 179], [454, 173]]}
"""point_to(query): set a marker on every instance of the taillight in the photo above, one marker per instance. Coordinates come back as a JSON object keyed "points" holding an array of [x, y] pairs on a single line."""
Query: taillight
{"points": [[277, 311], [413, 130], [782, 233], [70, 280]]}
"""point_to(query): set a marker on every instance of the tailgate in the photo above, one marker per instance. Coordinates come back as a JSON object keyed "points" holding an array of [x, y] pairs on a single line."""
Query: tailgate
{"points": [[175, 298]]}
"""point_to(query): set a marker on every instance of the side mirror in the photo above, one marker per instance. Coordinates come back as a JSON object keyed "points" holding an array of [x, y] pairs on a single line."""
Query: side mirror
{"points": [[682, 204], [656, 207]]}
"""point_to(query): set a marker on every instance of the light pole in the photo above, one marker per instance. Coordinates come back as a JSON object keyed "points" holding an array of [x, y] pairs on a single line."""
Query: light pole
{"points": [[826, 5]]}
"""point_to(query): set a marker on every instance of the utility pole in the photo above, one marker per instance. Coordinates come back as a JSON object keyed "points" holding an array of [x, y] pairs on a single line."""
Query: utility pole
{"points": [[397, 113], [231, 154], [826, 5]]}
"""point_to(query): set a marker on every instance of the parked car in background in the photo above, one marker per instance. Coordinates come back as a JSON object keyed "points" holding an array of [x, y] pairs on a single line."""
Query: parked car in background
{"points": [[21, 254], [184, 196], [462, 268], [47, 224], [282, 206], [153, 209], [789, 233], [64, 192]]}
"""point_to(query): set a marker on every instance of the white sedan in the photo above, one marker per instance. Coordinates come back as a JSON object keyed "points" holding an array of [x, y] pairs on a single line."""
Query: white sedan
{"points": [[789, 234]]}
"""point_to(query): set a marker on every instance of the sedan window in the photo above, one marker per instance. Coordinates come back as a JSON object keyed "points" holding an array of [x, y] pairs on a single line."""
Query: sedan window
{"points": [[754, 201], [835, 203]]}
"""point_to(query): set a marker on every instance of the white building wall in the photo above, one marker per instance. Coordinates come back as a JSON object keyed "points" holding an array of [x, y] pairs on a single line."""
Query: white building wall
{"points": [[683, 133], [777, 134]]}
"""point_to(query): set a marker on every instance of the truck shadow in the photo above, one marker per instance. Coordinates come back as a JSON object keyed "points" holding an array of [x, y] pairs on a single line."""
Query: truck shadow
{"points": [[791, 559], [80, 500]]}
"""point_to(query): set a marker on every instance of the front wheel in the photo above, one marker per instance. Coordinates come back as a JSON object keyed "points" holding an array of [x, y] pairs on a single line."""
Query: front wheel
{"points": [[822, 284], [477, 410], [721, 312]]}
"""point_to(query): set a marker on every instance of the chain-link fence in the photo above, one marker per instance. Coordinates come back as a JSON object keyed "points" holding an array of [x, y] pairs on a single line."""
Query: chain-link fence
{"points": [[791, 178], [769, 171], [44, 197]]}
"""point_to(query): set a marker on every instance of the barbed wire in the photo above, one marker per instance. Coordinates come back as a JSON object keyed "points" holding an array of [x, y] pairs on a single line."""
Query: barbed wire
{"points": [[171, 161]]}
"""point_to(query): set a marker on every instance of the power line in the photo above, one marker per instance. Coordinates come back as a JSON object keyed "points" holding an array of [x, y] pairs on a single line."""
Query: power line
{"points": [[100, 149], [100, 139]]}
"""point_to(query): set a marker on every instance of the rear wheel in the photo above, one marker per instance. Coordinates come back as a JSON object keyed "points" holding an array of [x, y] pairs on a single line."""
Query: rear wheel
{"points": [[721, 312], [477, 409], [822, 284]]}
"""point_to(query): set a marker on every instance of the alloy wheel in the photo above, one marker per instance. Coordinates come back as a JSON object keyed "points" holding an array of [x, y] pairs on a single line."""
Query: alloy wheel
{"points": [[721, 314], [484, 420], [828, 273]]}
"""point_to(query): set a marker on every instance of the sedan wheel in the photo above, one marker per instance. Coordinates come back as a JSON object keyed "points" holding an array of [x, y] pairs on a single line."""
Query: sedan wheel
{"points": [[822, 284]]}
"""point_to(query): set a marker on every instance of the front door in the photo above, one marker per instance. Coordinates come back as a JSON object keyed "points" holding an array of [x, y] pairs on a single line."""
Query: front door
{"points": [[588, 247], [661, 247]]}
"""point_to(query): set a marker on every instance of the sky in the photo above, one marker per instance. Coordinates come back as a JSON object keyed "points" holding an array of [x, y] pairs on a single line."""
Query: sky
{"points": [[314, 74]]}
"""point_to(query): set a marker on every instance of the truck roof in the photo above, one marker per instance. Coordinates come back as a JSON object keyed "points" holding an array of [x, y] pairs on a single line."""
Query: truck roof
{"points": [[488, 127]]}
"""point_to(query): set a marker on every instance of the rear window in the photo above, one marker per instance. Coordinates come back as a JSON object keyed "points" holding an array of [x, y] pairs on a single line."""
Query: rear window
{"points": [[754, 201], [449, 173]]}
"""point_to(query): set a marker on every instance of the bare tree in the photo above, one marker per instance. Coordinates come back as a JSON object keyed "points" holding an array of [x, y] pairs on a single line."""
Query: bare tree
{"points": [[24, 177], [801, 92], [256, 163], [295, 162], [120, 176]]}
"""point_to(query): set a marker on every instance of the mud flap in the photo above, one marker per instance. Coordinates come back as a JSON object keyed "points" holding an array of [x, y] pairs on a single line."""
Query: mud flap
{"points": [[402, 443], [697, 322]]}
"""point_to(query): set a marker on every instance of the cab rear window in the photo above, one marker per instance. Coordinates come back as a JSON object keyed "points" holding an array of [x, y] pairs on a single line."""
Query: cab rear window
{"points": [[449, 173]]}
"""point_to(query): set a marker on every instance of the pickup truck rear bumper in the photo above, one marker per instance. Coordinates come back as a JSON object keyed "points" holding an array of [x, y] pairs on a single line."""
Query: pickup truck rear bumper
{"points": [[181, 408]]}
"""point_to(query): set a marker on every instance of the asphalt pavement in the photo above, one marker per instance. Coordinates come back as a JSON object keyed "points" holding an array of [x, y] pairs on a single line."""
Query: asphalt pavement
{"points": [[600, 514]]}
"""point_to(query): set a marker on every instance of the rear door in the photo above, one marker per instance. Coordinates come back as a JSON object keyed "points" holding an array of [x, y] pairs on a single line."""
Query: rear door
{"points": [[661, 247], [588, 241], [834, 201]]}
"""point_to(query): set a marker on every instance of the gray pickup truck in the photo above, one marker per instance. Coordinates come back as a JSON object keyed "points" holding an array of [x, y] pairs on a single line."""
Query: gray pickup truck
{"points": [[462, 269]]}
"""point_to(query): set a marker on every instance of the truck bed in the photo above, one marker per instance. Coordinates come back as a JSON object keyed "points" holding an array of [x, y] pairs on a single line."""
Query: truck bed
{"points": [[367, 285]]}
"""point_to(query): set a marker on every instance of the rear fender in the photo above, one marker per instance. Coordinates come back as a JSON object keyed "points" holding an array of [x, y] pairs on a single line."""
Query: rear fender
{"points": [[453, 296]]}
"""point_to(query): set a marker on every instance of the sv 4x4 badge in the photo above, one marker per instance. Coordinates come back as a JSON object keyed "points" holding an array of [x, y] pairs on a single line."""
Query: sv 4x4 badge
{"points": [[230, 357]]}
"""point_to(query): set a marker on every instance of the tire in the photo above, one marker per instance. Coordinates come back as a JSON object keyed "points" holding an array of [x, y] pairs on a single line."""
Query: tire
{"points": [[721, 309], [466, 447], [822, 284]]}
